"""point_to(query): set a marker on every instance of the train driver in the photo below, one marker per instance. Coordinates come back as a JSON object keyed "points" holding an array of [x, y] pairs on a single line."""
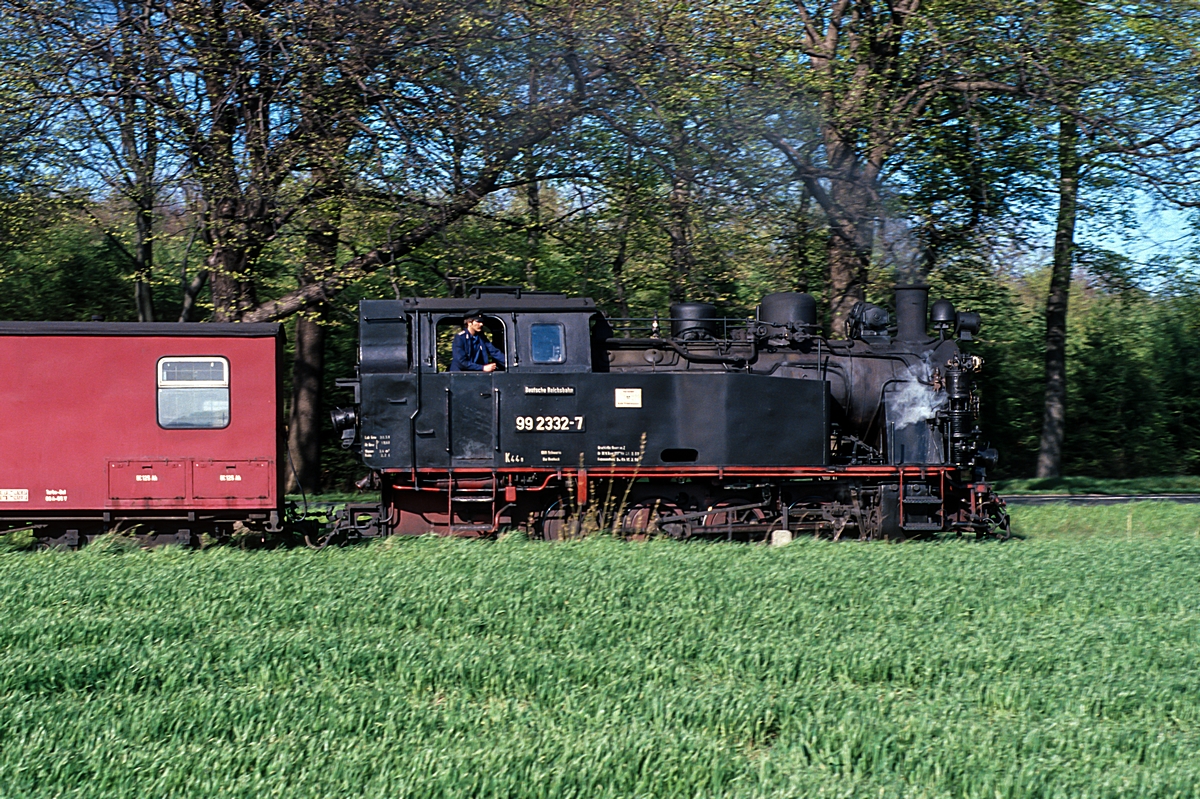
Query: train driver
{"points": [[472, 352]]}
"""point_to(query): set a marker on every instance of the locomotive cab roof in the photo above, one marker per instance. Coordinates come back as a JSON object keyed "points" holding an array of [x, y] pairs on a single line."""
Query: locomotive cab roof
{"points": [[536, 331], [495, 299]]}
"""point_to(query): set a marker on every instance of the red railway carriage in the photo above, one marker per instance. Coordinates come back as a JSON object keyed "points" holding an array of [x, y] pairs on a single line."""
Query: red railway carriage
{"points": [[109, 424]]}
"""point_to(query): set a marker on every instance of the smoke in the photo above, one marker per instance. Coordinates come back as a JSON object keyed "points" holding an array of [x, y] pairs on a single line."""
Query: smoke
{"points": [[913, 399], [902, 250]]}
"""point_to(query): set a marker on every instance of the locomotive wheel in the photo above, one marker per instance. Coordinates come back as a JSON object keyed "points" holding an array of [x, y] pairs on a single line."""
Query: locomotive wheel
{"points": [[717, 517], [643, 519], [550, 526]]}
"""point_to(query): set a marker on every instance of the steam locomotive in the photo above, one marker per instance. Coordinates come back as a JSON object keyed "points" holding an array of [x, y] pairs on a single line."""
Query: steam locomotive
{"points": [[689, 426]]}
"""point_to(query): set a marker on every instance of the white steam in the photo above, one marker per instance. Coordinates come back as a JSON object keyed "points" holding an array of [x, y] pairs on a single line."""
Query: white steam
{"points": [[913, 399]]}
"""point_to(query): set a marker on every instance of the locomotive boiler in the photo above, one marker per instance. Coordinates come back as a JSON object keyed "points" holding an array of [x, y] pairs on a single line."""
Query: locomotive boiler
{"points": [[691, 425]]}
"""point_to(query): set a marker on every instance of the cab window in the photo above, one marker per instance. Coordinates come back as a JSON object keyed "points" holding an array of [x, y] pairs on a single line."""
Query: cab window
{"points": [[193, 393], [450, 326], [546, 343]]}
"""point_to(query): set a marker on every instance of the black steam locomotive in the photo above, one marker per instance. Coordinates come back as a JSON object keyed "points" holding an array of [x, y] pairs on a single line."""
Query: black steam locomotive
{"points": [[692, 426]]}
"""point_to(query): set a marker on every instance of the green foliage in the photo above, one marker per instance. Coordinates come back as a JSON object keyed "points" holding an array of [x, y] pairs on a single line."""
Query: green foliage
{"points": [[65, 270], [1174, 334], [1117, 411], [1132, 362], [1057, 666]]}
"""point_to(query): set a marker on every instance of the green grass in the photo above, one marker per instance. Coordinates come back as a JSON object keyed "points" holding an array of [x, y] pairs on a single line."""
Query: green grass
{"points": [[1138, 519], [1063, 665], [335, 498], [1176, 484]]}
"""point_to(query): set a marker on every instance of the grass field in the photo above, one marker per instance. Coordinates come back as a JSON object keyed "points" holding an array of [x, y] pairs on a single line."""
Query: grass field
{"points": [[1066, 664], [1177, 484]]}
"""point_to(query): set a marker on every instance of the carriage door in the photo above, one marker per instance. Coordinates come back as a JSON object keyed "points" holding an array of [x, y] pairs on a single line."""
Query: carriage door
{"points": [[473, 409]]}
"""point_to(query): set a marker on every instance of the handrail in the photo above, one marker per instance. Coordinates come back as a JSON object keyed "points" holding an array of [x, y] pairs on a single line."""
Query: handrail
{"points": [[670, 344]]}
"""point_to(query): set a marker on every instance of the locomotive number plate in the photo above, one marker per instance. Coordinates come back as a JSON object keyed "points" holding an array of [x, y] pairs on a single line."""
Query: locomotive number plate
{"points": [[550, 424]]}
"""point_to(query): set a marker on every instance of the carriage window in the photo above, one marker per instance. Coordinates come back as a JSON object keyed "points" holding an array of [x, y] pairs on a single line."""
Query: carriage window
{"points": [[546, 342], [193, 393]]}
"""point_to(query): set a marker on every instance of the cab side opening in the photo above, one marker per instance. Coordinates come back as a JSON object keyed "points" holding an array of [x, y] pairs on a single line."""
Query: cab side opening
{"points": [[450, 326]]}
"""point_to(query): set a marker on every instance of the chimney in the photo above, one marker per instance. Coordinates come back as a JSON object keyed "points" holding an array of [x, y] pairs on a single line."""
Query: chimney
{"points": [[912, 306]]}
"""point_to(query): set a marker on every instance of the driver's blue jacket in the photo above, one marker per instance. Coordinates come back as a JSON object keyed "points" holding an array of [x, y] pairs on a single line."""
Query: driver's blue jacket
{"points": [[472, 353]]}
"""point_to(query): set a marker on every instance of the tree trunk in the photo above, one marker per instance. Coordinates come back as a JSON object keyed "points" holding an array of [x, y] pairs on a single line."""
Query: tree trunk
{"points": [[679, 229], [304, 430], [533, 197], [533, 228], [682, 174], [191, 291], [145, 302], [137, 124], [850, 202], [233, 292], [308, 367], [1049, 463], [618, 263], [144, 257], [851, 238]]}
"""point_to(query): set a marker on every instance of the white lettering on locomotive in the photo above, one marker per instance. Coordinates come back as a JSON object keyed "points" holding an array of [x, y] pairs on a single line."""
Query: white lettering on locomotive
{"points": [[146, 478], [550, 424], [561, 391], [230, 478], [617, 453], [56, 495]]}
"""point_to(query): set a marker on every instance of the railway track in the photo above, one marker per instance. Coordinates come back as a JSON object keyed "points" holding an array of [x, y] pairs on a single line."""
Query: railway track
{"points": [[1096, 499]]}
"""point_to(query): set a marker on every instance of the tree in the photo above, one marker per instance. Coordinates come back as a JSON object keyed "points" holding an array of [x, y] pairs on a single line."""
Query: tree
{"points": [[451, 131], [1120, 86], [863, 75], [254, 86], [281, 113], [104, 129]]}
